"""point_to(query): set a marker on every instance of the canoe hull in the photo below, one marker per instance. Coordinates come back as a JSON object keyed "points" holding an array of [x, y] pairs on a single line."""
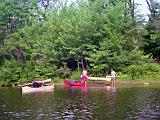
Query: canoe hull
{"points": [[28, 89], [74, 83], [108, 78]]}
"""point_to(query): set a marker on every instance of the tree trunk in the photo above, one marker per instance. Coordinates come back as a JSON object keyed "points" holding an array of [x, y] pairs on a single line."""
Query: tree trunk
{"points": [[20, 54]]}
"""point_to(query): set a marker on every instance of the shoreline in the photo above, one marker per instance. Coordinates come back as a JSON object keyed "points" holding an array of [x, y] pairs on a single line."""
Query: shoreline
{"points": [[118, 83]]}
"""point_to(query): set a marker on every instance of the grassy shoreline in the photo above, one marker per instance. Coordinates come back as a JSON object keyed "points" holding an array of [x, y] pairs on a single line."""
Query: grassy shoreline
{"points": [[125, 80], [118, 83]]}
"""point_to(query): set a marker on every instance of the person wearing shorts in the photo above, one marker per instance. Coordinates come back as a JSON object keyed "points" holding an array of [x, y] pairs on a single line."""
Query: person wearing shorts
{"points": [[113, 77]]}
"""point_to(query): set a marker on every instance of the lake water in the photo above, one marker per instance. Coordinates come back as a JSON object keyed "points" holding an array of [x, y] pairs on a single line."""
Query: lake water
{"points": [[83, 103]]}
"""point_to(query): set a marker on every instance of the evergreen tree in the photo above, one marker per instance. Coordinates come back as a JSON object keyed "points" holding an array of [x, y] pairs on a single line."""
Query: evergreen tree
{"points": [[152, 33]]}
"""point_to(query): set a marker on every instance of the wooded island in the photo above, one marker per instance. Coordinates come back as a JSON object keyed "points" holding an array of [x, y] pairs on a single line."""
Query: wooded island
{"points": [[41, 39]]}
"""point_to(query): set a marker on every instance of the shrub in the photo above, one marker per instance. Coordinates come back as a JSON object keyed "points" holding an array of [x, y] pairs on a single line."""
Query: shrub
{"points": [[63, 72], [75, 75], [148, 71]]}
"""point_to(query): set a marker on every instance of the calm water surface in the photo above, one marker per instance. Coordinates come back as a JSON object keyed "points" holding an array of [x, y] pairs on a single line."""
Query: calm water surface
{"points": [[86, 103]]}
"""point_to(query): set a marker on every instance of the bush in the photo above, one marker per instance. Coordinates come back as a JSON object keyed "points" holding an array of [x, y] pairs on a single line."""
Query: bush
{"points": [[75, 75], [58, 80], [145, 72], [13, 72], [10, 72], [63, 72]]}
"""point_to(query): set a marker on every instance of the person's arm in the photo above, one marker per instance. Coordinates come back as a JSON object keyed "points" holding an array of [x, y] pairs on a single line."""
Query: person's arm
{"points": [[81, 76]]}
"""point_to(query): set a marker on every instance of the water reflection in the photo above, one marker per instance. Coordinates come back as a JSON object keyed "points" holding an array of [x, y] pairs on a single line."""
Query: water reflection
{"points": [[83, 89], [110, 102], [147, 106], [81, 108], [93, 102]]}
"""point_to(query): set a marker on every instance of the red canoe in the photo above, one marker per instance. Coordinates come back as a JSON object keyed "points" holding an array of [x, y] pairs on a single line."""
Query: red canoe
{"points": [[74, 83]]}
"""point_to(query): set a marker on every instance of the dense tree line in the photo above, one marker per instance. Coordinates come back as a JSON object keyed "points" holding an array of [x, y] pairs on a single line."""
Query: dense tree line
{"points": [[152, 30], [43, 38]]}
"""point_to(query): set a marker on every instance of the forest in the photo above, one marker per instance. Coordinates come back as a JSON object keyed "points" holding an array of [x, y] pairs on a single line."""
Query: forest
{"points": [[56, 39]]}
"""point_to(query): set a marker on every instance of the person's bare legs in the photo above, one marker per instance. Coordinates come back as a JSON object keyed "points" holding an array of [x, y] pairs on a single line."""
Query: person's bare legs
{"points": [[114, 83]]}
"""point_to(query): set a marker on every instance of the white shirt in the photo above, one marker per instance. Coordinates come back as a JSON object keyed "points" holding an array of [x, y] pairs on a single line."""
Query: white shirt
{"points": [[113, 74]]}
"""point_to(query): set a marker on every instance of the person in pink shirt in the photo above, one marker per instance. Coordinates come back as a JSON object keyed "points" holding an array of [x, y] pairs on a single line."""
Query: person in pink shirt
{"points": [[84, 76]]}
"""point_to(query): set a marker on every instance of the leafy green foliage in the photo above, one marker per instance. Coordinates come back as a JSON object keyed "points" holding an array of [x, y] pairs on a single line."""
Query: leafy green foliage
{"points": [[75, 75], [148, 72], [14, 15], [105, 37], [63, 72], [152, 29]]}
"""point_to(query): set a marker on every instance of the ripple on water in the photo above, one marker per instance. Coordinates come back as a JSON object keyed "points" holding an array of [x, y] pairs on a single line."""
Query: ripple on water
{"points": [[69, 117], [41, 115], [141, 105]]}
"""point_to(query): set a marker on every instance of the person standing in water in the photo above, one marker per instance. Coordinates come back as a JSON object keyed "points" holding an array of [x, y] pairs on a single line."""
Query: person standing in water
{"points": [[113, 77], [84, 75]]}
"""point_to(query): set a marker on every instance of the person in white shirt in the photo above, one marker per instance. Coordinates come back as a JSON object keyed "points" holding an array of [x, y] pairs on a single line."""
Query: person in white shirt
{"points": [[113, 77]]}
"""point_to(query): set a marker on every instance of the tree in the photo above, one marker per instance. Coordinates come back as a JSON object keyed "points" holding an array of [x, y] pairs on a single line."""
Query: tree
{"points": [[87, 31], [152, 34]]}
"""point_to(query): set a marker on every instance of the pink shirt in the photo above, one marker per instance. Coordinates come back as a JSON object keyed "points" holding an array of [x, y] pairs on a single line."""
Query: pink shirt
{"points": [[84, 77]]}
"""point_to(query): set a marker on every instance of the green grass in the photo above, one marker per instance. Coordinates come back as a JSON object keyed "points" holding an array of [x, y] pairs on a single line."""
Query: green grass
{"points": [[144, 78]]}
